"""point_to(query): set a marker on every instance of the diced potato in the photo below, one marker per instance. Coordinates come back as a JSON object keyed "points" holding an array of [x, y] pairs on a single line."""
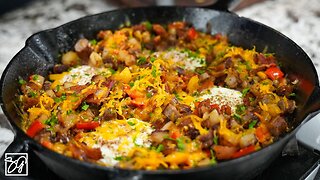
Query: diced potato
{"points": [[95, 60], [70, 58], [124, 76]]}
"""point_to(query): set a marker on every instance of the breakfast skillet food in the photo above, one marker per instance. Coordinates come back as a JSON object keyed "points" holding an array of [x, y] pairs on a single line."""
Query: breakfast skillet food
{"points": [[153, 96]]}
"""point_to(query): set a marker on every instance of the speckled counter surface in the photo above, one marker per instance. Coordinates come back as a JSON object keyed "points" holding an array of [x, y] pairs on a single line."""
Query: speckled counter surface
{"points": [[299, 20]]}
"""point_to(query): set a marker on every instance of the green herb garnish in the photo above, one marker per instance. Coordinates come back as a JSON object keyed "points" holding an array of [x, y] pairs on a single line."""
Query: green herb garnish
{"points": [[152, 59], [35, 77], [292, 95], [160, 148], [149, 95], [148, 25], [245, 91], [154, 72], [180, 144], [84, 106], [252, 124], [93, 42], [21, 81], [142, 60], [53, 120], [131, 123], [131, 84], [112, 71], [215, 140]]}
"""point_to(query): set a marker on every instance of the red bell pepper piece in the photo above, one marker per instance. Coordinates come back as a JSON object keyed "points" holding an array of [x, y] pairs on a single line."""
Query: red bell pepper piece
{"points": [[274, 73], [87, 125], [244, 151], [34, 128], [175, 135], [192, 33], [47, 144], [215, 106], [139, 102]]}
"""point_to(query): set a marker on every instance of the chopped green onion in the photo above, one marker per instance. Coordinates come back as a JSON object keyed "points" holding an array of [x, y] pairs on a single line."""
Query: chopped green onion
{"points": [[118, 158], [33, 94], [96, 118], [180, 144], [53, 120], [154, 72], [148, 25], [252, 124], [160, 148], [93, 42], [131, 84], [152, 59], [21, 81], [237, 116], [142, 60], [131, 123], [69, 112], [215, 140], [245, 91], [85, 106], [112, 71], [213, 159], [149, 95], [292, 95], [35, 77]]}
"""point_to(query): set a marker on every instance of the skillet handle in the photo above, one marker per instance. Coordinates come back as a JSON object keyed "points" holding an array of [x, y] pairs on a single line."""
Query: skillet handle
{"points": [[224, 5]]}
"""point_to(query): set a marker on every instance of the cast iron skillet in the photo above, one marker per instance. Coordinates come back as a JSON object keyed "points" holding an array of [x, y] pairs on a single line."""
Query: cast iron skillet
{"points": [[42, 52]]}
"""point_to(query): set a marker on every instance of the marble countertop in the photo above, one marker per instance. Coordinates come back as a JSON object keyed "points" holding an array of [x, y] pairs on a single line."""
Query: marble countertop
{"points": [[299, 20]]}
